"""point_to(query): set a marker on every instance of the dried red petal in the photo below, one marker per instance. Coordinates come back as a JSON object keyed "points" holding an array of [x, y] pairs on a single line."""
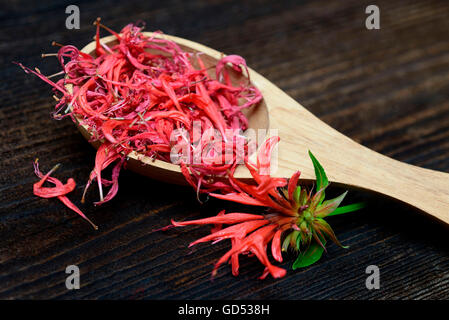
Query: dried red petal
{"points": [[60, 190]]}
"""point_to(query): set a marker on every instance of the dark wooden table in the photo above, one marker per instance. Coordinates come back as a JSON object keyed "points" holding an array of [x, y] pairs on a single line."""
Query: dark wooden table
{"points": [[387, 89]]}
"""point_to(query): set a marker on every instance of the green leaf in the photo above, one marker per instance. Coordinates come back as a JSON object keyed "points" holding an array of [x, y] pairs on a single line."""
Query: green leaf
{"points": [[320, 174], [309, 257], [349, 208], [328, 206]]}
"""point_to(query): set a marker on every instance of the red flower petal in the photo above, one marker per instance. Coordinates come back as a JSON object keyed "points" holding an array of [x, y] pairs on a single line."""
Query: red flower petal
{"points": [[256, 243], [229, 218], [240, 198], [60, 190], [218, 226], [276, 246], [236, 231]]}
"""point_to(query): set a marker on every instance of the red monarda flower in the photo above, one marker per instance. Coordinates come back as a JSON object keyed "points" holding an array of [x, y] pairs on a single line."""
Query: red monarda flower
{"points": [[294, 214]]}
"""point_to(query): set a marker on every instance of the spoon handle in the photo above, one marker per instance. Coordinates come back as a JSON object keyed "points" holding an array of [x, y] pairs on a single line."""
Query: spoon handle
{"points": [[351, 164], [425, 189]]}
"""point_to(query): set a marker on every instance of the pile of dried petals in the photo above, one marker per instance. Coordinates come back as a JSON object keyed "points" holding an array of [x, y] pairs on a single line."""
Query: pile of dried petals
{"points": [[135, 93]]}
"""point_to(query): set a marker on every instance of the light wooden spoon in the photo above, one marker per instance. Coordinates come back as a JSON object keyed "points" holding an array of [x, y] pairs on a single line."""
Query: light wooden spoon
{"points": [[346, 162]]}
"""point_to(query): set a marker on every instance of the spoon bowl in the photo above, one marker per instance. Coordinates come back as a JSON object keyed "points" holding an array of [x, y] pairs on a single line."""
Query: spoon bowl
{"points": [[161, 170], [347, 163]]}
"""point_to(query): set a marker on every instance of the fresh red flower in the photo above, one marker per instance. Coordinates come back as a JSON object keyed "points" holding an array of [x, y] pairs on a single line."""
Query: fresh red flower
{"points": [[293, 213]]}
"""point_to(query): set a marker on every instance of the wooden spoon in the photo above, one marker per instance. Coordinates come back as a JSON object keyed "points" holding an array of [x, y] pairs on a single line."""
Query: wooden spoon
{"points": [[346, 162]]}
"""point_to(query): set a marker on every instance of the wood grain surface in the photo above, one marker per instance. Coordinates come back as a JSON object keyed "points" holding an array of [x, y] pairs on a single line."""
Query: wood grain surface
{"points": [[387, 89]]}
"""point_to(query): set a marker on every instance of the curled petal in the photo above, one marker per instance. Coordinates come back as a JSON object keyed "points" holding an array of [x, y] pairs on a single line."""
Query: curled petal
{"points": [[60, 193], [58, 190], [109, 126], [236, 62], [264, 155]]}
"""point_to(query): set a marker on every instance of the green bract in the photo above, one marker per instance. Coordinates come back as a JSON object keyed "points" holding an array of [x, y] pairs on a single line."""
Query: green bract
{"points": [[309, 238]]}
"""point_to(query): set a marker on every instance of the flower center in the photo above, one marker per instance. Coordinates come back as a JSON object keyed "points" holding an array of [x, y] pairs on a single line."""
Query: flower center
{"points": [[308, 216]]}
